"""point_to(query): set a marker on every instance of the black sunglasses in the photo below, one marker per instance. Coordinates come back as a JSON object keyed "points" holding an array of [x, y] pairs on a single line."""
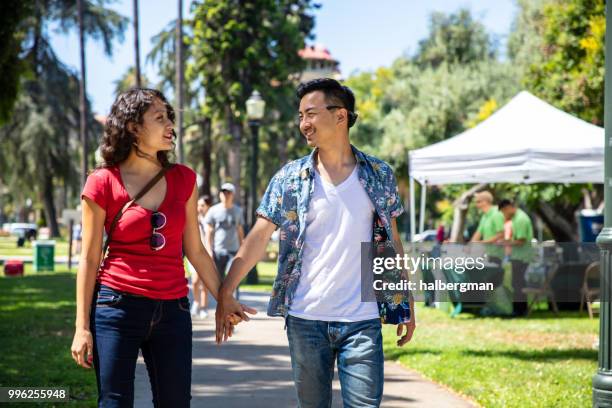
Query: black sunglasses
{"points": [[157, 240]]}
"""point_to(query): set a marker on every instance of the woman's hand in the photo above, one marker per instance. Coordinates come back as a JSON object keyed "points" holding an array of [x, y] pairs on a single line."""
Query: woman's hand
{"points": [[82, 348]]}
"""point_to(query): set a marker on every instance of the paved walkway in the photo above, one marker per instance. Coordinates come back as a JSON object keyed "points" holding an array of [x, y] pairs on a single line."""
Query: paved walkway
{"points": [[254, 370]]}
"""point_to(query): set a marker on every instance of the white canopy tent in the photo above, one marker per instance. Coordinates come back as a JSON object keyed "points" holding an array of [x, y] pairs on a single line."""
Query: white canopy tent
{"points": [[526, 141]]}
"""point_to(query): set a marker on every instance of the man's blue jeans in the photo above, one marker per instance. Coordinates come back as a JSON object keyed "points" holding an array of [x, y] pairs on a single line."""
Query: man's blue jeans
{"points": [[122, 324], [357, 346]]}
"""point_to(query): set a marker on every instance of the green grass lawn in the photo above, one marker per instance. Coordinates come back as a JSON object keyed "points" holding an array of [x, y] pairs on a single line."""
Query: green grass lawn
{"points": [[540, 361], [36, 329], [266, 272], [37, 325], [8, 247]]}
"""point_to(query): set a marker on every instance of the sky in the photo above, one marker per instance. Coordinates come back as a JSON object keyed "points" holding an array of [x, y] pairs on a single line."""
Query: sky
{"points": [[361, 34]]}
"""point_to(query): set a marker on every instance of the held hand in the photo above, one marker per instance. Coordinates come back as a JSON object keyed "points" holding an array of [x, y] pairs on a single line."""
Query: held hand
{"points": [[82, 348], [233, 319], [410, 327], [229, 312], [230, 323]]}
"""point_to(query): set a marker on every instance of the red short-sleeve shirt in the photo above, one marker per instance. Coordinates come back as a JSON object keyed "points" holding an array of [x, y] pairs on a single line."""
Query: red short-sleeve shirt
{"points": [[131, 265]]}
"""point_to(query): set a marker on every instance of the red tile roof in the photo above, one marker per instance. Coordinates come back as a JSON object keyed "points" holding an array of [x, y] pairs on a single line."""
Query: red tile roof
{"points": [[316, 52]]}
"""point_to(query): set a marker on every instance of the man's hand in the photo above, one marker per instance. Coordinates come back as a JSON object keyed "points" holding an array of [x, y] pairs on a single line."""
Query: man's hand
{"points": [[410, 327], [229, 313]]}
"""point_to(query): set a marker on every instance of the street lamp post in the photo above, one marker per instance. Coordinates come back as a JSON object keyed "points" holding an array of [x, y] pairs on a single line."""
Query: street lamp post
{"points": [[602, 381], [255, 107]]}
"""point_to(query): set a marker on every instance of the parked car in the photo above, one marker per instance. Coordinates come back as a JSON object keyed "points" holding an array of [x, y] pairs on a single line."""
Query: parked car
{"points": [[426, 236], [22, 230]]}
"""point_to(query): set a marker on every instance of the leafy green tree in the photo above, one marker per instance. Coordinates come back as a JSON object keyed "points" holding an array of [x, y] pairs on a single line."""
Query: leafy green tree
{"points": [[13, 14], [163, 57], [525, 39], [567, 67], [434, 94], [454, 38], [451, 83], [406, 107], [558, 45]]}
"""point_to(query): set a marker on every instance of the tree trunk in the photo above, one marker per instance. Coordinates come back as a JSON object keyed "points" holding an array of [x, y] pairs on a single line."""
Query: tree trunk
{"points": [[137, 75], [49, 205], [205, 128], [561, 229], [461, 207], [233, 154], [456, 234], [82, 96], [179, 81]]}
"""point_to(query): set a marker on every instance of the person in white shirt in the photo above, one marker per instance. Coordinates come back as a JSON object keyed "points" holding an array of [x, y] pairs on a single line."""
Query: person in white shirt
{"points": [[326, 205], [200, 297]]}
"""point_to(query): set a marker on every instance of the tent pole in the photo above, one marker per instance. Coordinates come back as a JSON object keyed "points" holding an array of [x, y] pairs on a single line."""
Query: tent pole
{"points": [[422, 212], [412, 215]]}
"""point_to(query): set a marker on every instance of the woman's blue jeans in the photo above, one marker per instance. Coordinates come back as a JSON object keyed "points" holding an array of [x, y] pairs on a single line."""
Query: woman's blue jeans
{"points": [[123, 324]]}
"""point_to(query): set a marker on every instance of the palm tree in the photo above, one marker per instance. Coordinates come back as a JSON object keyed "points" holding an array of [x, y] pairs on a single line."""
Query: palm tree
{"points": [[82, 96], [164, 56], [137, 46], [39, 140], [179, 80]]}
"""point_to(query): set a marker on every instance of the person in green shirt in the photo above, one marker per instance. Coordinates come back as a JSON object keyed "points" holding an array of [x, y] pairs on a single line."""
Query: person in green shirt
{"points": [[491, 226], [522, 253], [483, 243]]}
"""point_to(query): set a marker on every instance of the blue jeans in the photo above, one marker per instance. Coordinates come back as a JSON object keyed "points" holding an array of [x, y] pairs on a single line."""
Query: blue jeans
{"points": [[357, 346], [121, 325]]}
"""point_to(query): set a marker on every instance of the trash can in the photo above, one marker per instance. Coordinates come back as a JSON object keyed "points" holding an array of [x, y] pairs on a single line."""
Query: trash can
{"points": [[44, 256], [591, 224]]}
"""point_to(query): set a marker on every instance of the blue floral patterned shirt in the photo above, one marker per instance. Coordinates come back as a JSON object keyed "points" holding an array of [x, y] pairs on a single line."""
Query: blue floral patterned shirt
{"points": [[286, 201]]}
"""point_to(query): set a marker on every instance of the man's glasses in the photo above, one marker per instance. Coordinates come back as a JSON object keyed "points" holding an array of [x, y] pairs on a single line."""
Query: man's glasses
{"points": [[310, 115], [157, 240]]}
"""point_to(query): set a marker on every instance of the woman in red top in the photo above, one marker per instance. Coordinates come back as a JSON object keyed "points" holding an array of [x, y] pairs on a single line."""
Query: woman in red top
{"points": [[136, 300]]}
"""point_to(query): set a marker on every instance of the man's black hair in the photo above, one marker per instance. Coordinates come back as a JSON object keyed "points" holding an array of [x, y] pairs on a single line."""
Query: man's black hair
{"points": [[335, 94], [505, 203], [207, 199]]}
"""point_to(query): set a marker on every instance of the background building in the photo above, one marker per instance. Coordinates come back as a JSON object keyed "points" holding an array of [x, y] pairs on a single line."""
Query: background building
{"points": [[319, 63]]}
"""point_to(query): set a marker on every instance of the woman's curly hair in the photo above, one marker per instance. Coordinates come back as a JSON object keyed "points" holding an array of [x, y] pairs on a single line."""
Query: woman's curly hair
{"points": [[130, 106]]}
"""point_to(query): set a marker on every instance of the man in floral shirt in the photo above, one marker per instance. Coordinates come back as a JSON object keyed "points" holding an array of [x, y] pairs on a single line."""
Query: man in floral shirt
{"points": [[326, 204]]}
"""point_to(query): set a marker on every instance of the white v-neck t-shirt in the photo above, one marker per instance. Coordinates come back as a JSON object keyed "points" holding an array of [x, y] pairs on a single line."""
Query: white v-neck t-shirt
{"points": [[339, 219]]}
